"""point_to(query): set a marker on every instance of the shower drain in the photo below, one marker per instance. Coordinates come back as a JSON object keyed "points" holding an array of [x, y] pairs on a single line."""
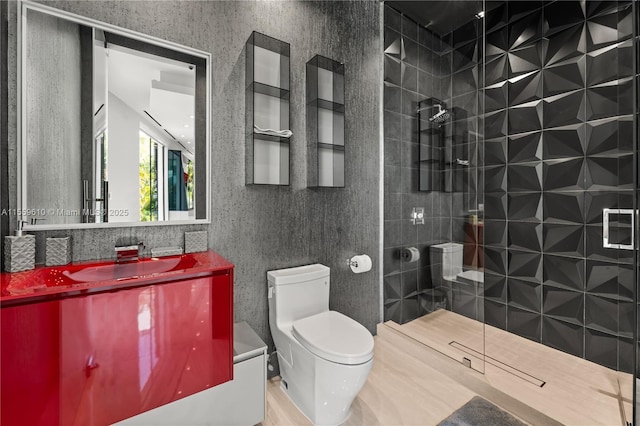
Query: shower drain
{"points": [[466, 362], [496, 363]]}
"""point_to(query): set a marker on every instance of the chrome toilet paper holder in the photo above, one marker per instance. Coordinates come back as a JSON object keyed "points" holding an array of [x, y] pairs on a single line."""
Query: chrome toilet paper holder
{"points": [[360, 263], [352, 262]]}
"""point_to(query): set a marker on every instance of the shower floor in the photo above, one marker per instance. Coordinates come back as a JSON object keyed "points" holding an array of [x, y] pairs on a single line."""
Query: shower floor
{"points": [[569, 389]]}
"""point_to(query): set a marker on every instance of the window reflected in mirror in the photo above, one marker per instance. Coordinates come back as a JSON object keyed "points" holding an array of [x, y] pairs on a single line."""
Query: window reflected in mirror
{"points": [[151, 167], [152, 99]]}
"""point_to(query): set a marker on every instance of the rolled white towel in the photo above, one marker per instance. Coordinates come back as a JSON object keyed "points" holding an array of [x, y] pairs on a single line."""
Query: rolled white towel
{"points": [[271, 132]]}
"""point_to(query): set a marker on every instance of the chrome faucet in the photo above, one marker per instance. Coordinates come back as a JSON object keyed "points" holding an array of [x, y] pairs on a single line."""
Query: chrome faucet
{"points": [[129, 252]]}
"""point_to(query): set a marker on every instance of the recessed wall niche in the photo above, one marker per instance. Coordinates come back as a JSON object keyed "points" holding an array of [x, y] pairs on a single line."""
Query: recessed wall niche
{"points": [[267, 111], [325, 123]]}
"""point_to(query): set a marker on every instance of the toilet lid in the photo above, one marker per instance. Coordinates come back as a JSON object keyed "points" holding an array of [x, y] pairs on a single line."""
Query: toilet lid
{"points": [[335, 337]]}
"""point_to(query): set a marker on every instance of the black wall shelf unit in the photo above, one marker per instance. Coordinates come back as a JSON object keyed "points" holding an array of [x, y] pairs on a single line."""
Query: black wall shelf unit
{"points": [[267, 107], [325, 123], [432, 149]]}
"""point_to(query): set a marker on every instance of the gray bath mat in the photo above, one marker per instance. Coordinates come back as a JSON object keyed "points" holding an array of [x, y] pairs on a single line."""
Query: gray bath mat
{"points": [[480, 412]]}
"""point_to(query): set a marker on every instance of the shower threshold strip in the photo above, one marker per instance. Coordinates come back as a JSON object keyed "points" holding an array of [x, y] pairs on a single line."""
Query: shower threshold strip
{"points": [[499, 364]]}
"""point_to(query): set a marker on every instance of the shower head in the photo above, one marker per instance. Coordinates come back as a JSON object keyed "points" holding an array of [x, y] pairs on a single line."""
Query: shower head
{"points": [[441, 116]]}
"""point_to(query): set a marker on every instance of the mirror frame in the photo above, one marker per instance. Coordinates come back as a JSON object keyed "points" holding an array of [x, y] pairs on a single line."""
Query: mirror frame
{"points": [[21, 174]]}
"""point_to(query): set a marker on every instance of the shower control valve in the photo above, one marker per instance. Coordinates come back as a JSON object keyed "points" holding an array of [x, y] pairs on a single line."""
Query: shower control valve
{"points": [[417, 216]]}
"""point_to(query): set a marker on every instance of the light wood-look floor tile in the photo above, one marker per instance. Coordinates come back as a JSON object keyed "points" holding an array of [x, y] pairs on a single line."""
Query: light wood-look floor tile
{"points": [[409, 384], [576, 391]]}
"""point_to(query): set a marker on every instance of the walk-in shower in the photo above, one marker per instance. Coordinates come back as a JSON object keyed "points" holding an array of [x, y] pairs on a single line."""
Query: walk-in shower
{"points": [[513, 125]]}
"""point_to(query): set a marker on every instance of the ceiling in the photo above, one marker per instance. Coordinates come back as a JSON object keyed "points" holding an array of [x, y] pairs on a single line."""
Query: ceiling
{"points": [[161, 87], [440, 16]]}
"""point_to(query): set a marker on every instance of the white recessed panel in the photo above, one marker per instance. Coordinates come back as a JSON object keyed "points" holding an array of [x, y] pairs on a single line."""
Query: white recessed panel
{"points": [[330, 167], [267, 111], [325, 126], [325, 84], [325, 167], [270, 162], [266, 67], [338, 168], [338, 128]]}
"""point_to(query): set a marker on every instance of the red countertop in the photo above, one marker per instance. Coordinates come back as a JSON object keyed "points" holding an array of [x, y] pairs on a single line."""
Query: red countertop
{"points": [[81, 278], [133, 338]]}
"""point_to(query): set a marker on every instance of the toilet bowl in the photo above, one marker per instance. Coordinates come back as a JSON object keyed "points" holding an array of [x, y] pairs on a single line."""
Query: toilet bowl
{"points": [[324, 356]]}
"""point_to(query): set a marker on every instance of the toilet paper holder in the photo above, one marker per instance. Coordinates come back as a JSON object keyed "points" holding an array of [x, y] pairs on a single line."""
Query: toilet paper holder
{"points": [[359, 263], [409, 254], [352, 262]]}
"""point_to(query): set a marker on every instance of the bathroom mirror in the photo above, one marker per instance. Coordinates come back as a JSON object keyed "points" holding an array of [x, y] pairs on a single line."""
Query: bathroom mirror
{"points": [[114, 125]]}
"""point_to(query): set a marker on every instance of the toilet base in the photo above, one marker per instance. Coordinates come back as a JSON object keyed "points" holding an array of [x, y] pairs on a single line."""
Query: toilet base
{"points": [[322, 390], [286, 392]]}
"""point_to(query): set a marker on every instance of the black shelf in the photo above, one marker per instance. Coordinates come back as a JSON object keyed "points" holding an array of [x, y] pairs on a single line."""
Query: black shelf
{"points": [[267, 160], [325, 123], [328, 105], [268, 90], [431, 142], [262, 136], [330, 146]]}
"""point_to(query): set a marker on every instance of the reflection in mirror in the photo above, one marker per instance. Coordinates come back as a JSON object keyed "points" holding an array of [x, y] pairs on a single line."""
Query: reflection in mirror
{"points": [[149, 106], [114, 126]]}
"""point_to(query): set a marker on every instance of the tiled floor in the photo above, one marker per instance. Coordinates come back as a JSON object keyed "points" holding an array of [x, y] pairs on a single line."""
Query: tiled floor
{"points": [[409, 384], [575, 391]]}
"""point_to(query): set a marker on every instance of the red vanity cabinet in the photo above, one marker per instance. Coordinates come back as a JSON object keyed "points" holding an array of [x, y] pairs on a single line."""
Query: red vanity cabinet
{"points": [[99, 358]]}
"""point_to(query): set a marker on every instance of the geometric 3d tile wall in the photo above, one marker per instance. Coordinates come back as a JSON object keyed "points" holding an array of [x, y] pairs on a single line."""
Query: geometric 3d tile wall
{"points": [[413, 70], [559, 129]]}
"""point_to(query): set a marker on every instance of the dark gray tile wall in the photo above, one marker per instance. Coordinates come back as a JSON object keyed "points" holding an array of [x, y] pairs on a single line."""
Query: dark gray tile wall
{"points": [[447, 70], [413, 71], [259, 229], [559, 148]]}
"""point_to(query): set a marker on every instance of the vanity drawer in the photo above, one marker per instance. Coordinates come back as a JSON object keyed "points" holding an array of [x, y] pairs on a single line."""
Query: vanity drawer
{"points": [[241, 401], [98, 359]]}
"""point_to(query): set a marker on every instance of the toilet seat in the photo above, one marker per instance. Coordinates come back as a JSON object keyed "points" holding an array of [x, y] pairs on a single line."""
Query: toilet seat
{"points": [[334, 337]]}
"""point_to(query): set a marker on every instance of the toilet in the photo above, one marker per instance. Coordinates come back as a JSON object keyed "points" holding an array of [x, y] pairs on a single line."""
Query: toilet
{"points": [[446, 262], [324, 356], [446, 265], [464, 289]]}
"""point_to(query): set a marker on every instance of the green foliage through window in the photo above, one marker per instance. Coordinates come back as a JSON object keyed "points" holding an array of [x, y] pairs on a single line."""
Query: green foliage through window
{"points": [[148, 178]]}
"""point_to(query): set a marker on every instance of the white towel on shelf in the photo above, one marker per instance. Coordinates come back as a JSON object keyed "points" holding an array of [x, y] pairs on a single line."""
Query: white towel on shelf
{"points": [[271, 132]]}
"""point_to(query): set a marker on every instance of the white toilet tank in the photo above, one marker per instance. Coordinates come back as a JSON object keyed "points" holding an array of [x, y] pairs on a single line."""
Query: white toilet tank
{"points": [[298, 292], [446, 260]]}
